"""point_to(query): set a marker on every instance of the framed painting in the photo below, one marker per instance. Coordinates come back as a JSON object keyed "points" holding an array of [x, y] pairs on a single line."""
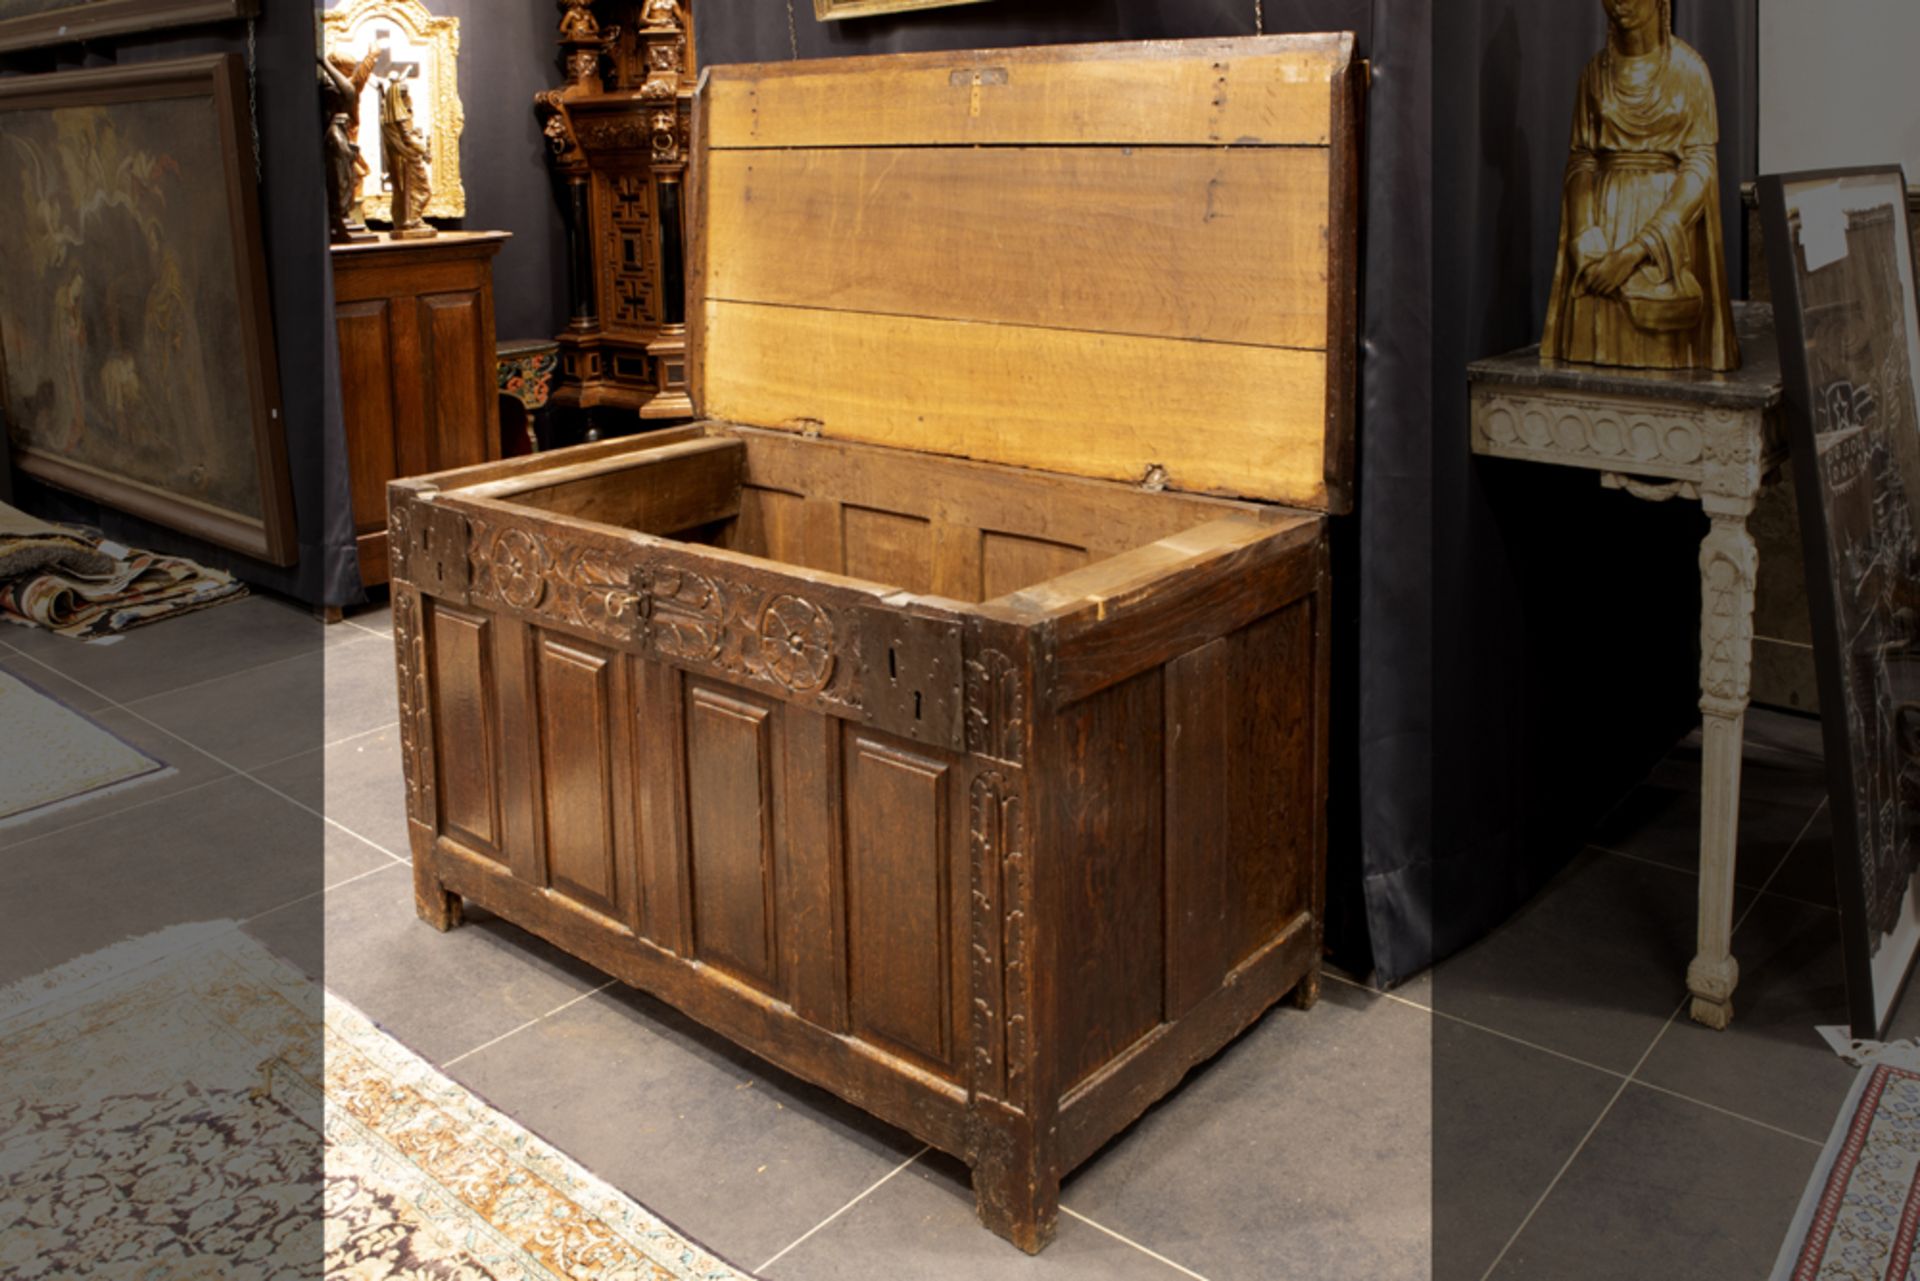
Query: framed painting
{"points": [[26, 23], [374, 42], [1841, 260], [137, 361], [829, 10]]}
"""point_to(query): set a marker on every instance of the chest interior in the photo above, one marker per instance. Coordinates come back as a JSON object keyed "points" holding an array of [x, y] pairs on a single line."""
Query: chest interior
{"points": [[963, 323]]}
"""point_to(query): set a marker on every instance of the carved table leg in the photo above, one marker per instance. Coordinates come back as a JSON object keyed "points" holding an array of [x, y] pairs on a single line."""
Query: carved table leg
{"points": [[1728, 561]]}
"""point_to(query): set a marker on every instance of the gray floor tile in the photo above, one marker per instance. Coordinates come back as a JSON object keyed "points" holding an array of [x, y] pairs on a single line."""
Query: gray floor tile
{"points": [[1808, 873], [442, 994], [1592, 967], [1505, 1118], [356, 783], [730, 1149], [1308, 1142], [1770, 1065], [190, 769], [48, 681], [225, 851], [1666, 1190], [1660, 819], [919, 1226], [271, 713], [180, 651], [377, 617]]}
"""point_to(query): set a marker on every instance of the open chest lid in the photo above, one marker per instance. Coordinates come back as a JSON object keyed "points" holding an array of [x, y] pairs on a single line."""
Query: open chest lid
{"points": [[1127, 261]]}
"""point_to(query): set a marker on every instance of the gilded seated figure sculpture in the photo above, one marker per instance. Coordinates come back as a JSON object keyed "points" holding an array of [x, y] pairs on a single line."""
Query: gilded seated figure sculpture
{"points": [[1641, 280]]}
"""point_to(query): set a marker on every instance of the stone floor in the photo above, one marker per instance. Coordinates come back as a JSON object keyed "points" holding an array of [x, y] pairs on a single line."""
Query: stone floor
{"points": [[1538, 1107]]}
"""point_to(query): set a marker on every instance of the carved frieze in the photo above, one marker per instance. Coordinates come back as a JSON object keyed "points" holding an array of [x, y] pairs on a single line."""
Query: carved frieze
{"points": [[1619, 434], [996, 707], [576, 584], [1001, 970], [416, 720], [762, 634]]}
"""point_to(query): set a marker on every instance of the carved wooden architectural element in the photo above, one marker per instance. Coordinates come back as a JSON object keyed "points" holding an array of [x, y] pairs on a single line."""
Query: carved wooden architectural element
{"points": [[618, 135], [1659, 437]]}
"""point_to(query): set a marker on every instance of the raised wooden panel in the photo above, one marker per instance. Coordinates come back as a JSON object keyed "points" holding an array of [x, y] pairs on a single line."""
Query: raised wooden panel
{"points": [[1214, 417], [1010, 562], [1239, 799], [886, 547], [451, 326], [1225, 245], [1245, 92], [464, 748], [366, 383], [899, 882], [730, 784], [1107, 828], [577, 725]]}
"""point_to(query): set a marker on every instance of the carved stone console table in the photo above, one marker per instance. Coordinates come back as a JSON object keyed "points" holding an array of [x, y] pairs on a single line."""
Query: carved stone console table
{"points": [[1699, 436]]}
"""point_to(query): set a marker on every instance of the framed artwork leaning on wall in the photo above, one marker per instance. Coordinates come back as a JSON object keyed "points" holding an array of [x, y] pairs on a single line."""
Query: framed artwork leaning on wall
{"points": [[831, 10], [1844, 292], [137, 361], [27, 23]]}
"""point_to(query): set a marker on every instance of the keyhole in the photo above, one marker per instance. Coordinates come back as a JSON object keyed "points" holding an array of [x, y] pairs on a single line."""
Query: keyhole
{"points": [[916, 704], [893, 664]]}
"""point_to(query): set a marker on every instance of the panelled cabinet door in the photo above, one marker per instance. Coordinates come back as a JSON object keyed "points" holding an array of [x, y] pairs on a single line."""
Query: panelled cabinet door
{"points": [[414, 322]]}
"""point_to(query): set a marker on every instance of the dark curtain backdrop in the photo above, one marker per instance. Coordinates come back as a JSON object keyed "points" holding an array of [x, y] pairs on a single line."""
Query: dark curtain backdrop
{"points": [[1565, 617], [293, 216], [507, 55]]}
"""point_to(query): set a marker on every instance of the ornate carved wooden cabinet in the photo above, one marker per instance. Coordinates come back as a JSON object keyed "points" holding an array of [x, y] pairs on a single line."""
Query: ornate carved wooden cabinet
{"points": [[618, 137], [414, 319], [945, 720]]}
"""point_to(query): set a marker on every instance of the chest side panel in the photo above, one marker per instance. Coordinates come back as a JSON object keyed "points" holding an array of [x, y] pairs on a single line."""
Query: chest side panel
{"points": [[1107, 260]]}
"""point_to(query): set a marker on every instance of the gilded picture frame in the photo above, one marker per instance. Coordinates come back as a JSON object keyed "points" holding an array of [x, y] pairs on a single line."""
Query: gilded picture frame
{"points": [[1846, 296], [405, 38], [833, 10], [137, 357], [26, 24]]}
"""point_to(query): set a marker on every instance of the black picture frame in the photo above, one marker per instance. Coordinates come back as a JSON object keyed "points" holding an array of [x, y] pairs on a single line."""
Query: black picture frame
{"points": [[1853, 414]]}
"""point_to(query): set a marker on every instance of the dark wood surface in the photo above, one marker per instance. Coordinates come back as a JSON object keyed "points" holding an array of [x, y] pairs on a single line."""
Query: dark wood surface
{"points": [[414, 319]]}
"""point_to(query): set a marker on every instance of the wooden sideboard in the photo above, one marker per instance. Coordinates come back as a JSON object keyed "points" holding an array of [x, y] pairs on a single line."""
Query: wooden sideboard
{"points": [[417, 380]]}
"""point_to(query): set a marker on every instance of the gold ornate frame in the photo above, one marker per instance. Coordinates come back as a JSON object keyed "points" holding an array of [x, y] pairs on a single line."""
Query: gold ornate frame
{"points": [[830, 10], [442, 36]]}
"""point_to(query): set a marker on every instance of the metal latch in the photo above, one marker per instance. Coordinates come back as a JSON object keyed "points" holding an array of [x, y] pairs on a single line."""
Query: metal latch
{"points": [[911, 676]]}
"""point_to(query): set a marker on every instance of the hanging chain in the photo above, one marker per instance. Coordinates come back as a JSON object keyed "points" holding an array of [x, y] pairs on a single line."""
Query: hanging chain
{"points": [[253, 101], [1259, 18], [793, 35]]}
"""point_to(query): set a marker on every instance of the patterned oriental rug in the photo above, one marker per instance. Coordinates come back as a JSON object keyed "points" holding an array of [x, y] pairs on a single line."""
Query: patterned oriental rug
{"points": [[72, 581], [188, 1107], [1860, 1215], [70, 756]]}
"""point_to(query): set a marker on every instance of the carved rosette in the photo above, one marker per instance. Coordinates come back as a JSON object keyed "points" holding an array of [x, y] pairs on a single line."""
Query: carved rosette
{"points": [[416, 726], [759, 634], [580, 586], [1001, 971], [996, 708]]}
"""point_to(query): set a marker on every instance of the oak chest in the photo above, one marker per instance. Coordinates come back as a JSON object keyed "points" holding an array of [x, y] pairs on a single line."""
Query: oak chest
{"points": [[945, 718]]}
